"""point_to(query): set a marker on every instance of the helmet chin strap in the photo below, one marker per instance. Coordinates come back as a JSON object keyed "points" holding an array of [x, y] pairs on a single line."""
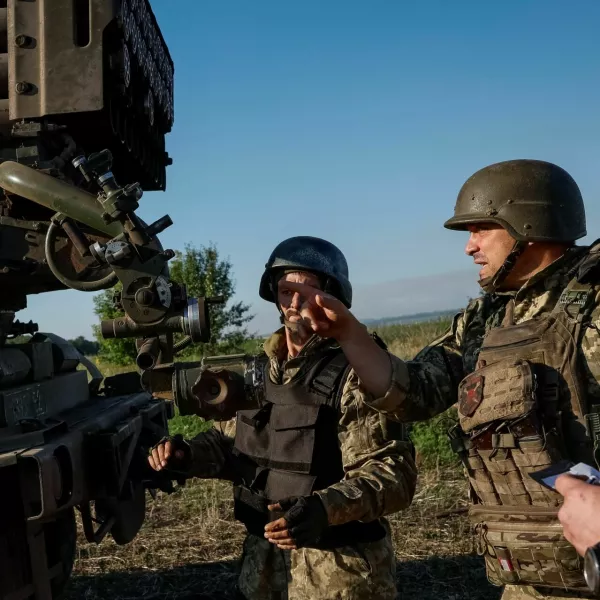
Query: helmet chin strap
{"points": [[491, 284]]}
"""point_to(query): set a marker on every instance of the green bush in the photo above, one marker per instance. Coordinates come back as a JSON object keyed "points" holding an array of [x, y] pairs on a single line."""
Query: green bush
{"points": [[188, 426], [432, 443]]}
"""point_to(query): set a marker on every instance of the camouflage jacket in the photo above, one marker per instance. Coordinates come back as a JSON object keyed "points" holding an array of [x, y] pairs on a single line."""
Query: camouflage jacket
{"points": [[428, 384], [380, 478], [380, 474]]}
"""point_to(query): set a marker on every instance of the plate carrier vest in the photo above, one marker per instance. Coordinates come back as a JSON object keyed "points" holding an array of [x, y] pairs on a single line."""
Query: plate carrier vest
{"points": [[523, 409], [289, 447]]}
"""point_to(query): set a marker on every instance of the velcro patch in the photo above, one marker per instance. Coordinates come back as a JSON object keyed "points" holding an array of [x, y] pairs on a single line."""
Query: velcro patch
{"points": [[576, 297], [351, 491], [471, 395]]}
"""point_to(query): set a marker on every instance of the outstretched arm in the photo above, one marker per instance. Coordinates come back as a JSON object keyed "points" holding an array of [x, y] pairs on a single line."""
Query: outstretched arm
{"points": [[330, 318], [379, 473], [403, 390]]}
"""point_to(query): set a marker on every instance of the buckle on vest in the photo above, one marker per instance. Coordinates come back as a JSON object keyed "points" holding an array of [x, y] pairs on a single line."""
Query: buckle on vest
{"points": [[503, 441]]}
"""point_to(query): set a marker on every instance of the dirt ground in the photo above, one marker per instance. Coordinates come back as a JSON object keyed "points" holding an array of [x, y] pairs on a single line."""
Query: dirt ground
{"points": [[189, 545]]}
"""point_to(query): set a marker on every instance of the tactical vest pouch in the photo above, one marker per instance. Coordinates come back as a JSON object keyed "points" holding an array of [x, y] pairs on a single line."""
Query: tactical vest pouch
{"points": [[251, 437], [526, 546], [284, 484], [294, 435], [290, 433], [251, 509], [496, 392], [505, 442]]}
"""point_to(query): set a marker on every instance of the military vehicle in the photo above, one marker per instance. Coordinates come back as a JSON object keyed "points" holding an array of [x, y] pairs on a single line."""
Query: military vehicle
{"points": [[86, 99]]}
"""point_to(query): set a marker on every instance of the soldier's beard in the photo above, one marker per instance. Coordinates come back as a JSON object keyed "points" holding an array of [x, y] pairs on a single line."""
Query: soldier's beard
{"points": [[299, 330]]}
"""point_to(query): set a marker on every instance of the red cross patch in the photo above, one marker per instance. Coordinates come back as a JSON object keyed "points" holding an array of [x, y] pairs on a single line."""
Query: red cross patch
{"points": [[470, 394]]}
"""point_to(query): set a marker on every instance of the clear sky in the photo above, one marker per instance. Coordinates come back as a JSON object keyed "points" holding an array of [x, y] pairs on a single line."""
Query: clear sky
{"points": [[358, 121]]}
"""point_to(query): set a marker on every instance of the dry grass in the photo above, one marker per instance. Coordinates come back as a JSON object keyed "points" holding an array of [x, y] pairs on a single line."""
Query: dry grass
{"points": [[406, 340], [189, 546]]}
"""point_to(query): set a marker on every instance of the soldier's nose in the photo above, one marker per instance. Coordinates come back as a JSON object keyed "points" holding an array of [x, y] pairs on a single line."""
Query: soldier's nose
{"points": [[296, 300], [472, 245]]}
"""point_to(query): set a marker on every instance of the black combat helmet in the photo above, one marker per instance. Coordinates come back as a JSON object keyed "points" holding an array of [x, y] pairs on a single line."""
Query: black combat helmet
{"points": [[306, 253], [535, 201]]}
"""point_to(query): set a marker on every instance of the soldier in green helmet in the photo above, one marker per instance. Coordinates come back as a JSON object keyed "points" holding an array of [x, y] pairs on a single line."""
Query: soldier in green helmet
{"points": [[523, 363]]}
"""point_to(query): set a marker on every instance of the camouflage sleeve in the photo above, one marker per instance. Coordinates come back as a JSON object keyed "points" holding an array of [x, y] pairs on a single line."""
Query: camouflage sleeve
{"points": [[427, 385], [212, 456], [380, 474], [590, 354]]}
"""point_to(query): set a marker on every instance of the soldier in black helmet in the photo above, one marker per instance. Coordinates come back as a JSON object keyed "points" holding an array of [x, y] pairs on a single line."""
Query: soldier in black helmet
{"points": [[315, 469], [523, 363]]}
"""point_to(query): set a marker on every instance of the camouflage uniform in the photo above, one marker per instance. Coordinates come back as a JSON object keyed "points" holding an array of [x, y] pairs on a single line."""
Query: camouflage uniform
{"points": [[380, 478], [428, 385]]}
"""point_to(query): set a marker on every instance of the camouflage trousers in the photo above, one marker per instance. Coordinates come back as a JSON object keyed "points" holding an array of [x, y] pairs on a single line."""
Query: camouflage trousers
{"points": [[524, 592], [357, 572]]}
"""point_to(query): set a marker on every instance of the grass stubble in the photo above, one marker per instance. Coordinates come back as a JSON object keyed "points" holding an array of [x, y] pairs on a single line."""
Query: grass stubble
{"points": [[189, 546]]}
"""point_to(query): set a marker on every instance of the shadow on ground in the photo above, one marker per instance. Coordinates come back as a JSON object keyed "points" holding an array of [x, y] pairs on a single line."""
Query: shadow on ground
{"points": [[204, 581], [452, 578]]}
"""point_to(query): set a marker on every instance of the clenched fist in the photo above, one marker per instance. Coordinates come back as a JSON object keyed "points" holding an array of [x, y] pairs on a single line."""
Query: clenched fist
{"points": [[172, 453]]}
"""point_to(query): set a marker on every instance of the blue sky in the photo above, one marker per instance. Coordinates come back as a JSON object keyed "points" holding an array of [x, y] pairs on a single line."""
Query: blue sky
{"points": [[359, 121]]}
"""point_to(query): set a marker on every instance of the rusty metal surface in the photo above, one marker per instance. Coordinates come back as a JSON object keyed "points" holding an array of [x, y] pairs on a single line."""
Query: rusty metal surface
{"points": [[65, 441], [3, 75], [63, 77]]}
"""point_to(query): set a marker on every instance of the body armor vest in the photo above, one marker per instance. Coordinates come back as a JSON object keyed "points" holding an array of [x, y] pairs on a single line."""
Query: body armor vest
{"points": [[523, 409], [289, 447]]}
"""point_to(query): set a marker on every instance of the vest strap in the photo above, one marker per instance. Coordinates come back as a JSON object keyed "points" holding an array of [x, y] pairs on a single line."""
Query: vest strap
{"points": [[327, 382]]}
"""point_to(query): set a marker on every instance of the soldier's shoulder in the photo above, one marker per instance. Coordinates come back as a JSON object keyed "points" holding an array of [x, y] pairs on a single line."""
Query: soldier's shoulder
{"points": [[481, 307], [479, 304]]}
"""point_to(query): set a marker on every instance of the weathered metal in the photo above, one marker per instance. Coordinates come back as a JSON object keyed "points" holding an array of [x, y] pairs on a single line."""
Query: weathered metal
{"points": [[77, 77]]}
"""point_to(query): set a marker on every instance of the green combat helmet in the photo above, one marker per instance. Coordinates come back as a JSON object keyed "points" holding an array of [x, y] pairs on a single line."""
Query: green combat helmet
{"points": [[535, 201]]}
